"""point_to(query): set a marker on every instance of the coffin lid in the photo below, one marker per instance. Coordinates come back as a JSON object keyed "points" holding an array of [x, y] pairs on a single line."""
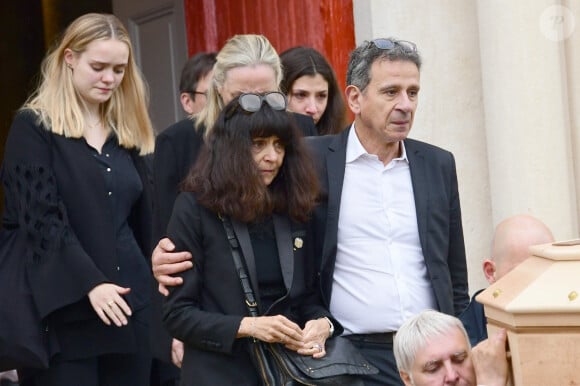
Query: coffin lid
{"points": [[542, 291]]}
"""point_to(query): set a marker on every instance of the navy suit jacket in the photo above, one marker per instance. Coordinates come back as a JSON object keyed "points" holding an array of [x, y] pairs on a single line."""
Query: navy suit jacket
{"points": [[474, 321], [434, 181]]}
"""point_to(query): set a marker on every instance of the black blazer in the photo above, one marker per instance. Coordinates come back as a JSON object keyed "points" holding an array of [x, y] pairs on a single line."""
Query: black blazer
{"points": [[206, 311], [176, 150], [72, 235], [434, 181]]}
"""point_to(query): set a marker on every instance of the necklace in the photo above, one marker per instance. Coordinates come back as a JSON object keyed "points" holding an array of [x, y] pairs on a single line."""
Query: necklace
{"points": [[93, 123]]}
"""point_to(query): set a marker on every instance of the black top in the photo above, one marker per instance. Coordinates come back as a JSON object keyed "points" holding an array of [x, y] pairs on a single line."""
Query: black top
{"points": [[124, 187], [56, 194], [268, 270]]}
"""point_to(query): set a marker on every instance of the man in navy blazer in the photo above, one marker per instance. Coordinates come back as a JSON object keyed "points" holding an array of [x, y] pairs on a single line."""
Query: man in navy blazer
{"points": [[388, 226]]}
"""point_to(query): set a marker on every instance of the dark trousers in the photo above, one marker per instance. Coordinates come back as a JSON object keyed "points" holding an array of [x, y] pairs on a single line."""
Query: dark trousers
{"points": [[104, 370], [379, 352], [164, 374]]}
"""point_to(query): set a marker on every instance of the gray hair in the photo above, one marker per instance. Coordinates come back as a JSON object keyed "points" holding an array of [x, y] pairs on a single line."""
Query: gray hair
{"points": [[417, 331], [362, 58]]}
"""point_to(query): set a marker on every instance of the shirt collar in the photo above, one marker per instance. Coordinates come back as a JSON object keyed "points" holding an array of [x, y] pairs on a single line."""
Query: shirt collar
{"points": [[355, 149]]}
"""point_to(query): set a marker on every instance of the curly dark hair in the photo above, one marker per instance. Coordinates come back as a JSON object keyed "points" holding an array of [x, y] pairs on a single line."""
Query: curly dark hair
{"points": [[227, 181]]}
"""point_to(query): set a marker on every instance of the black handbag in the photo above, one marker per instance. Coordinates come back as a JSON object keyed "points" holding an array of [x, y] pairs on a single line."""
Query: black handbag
{"points": [[23, 342], [278, 366]]}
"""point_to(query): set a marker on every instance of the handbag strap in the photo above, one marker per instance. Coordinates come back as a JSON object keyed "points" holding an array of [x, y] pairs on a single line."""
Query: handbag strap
{"points": [[251, 302]]}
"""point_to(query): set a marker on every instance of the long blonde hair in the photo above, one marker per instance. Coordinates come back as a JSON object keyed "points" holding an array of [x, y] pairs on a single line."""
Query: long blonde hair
{"points": [[59, 106], [239, 51]]}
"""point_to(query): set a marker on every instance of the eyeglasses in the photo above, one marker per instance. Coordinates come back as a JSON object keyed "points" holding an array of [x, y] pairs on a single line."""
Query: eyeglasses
{"points": [[253, 102], [204, 93], [388, 44]]}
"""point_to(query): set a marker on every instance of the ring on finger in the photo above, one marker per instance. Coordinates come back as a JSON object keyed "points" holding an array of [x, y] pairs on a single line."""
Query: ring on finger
{"points": [[110, 304], [318, 347]]}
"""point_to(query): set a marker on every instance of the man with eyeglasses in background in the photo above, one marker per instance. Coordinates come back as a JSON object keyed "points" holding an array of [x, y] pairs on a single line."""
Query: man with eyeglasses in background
{"points": [[389, 232], [194, 81]]}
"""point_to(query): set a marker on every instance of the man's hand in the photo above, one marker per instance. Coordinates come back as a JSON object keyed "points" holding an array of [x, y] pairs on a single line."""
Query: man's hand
{"points": [[177, 352], [490, 360], [165, 262]]}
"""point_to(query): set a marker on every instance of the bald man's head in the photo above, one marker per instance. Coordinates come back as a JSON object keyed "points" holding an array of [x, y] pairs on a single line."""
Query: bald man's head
{"points": [[511, 241]]}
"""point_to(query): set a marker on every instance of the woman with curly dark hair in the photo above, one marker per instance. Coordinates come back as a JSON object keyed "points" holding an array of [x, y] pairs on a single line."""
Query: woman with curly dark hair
{"points": [[255, 172]]}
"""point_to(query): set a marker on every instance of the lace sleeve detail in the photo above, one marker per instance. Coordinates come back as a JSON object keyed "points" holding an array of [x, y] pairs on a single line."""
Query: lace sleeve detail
{"points": [[60, 271], [32, 193]]}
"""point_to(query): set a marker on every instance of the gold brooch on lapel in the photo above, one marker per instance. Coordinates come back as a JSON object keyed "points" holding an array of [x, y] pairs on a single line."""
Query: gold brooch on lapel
{"points": [[298, 243]]}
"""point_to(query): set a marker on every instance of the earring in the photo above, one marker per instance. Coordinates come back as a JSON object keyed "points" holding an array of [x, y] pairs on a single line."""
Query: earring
{"points": [[69, 65]]}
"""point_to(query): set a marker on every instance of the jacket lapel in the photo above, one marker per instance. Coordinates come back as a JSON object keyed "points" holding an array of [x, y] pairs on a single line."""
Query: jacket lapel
{"points": [[283, 232], [420, 182], [335, 166]]}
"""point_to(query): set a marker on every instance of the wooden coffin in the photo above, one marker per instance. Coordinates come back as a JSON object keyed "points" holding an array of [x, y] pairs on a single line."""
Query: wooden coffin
{"points": [[538, 303]]}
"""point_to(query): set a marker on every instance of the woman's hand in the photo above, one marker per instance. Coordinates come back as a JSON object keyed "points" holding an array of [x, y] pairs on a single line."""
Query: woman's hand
{"points": [[108, 303], [315, 334], [272, 329]]}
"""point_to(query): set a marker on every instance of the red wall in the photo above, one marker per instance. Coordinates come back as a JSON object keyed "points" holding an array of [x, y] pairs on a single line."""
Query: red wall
{"points": [[326, 25]]}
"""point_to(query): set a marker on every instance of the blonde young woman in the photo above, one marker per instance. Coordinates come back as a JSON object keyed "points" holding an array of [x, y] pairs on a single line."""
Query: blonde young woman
{"points": [[75, 152]]}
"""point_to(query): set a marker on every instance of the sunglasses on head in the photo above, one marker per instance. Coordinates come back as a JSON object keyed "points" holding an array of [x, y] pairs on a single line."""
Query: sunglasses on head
{"points": [[388, 44], [253, 102]]}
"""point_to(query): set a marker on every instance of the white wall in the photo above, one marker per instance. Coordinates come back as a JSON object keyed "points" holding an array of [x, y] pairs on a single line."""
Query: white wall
{"points": [[499, 91]]}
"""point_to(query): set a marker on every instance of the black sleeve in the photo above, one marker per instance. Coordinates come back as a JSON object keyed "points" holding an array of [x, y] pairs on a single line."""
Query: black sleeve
{"points": [[61, 272], [176, 150], [166, 179], [183, 316]]}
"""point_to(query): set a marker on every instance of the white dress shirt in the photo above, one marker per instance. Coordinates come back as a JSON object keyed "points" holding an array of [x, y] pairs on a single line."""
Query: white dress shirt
{"points": [[380, 278]]}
